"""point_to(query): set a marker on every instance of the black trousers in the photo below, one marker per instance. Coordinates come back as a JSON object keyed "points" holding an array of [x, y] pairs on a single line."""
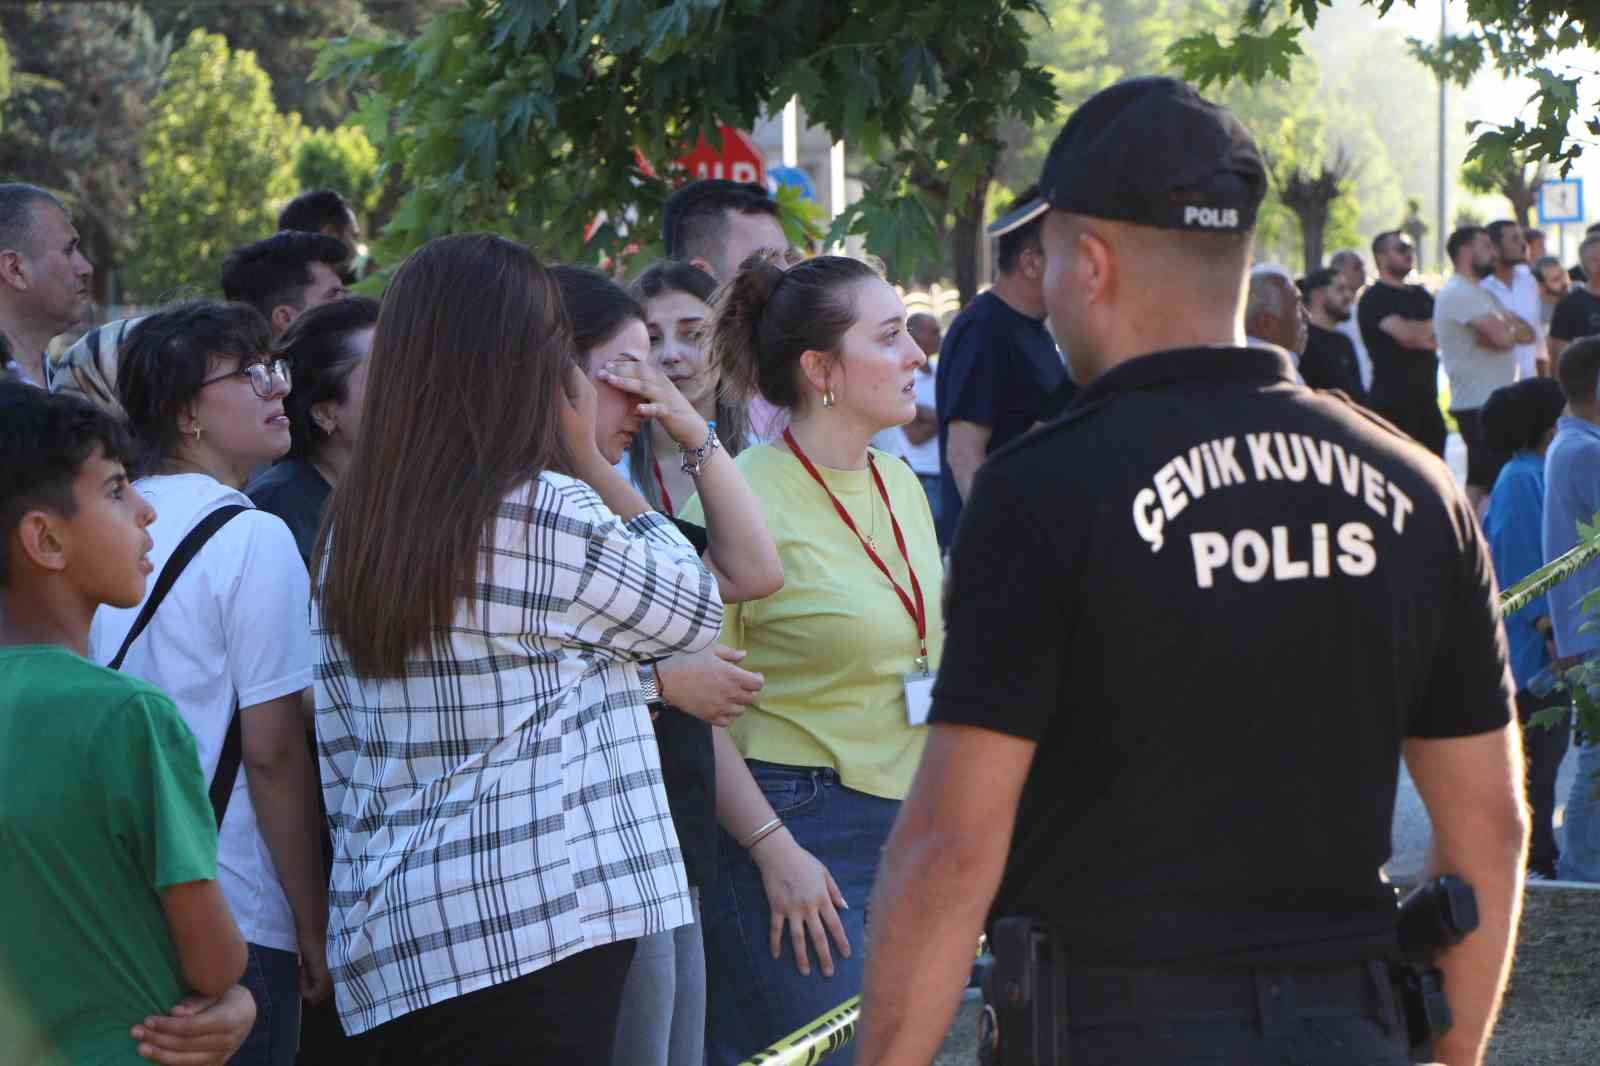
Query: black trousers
{"points": [[1346, 1016], [1542, 749], [565, 1013]]}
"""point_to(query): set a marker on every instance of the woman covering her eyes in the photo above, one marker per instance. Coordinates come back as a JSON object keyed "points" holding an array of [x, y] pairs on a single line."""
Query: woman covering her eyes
{"points": [[501, 837], [662, 1021]]}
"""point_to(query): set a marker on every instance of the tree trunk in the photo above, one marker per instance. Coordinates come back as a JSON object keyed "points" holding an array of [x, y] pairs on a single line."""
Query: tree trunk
{"points": [[1522, 207], [1313, 227], [965, 236]]}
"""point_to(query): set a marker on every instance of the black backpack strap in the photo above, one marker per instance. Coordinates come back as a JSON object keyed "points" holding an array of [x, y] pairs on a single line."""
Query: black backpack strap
{"points": [[187, 549], [227, 766], [233, 743]]}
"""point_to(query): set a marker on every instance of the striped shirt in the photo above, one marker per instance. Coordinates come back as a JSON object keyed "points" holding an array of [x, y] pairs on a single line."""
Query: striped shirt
{"points": [[500, 807]]}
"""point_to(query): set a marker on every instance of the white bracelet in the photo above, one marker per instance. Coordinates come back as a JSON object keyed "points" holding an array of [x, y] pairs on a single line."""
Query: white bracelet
{"points": [[761, 834]]}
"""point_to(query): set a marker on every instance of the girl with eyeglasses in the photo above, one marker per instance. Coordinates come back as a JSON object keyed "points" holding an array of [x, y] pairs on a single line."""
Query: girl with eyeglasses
{"points": [[204, 399]]}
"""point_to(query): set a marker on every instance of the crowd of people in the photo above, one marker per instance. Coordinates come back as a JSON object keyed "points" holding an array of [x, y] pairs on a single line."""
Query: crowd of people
{"points": [[531, 666]]}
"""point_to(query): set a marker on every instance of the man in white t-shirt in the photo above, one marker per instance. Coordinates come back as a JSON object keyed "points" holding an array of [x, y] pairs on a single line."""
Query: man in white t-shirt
{"points": [[1477, 337], [1514, 285]]}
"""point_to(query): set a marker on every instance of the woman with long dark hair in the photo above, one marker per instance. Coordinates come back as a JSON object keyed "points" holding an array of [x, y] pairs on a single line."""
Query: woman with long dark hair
{"points": [[677, 299], [809, 780], [501, 836], [326, 350], [231, 643], [662, 1022]]}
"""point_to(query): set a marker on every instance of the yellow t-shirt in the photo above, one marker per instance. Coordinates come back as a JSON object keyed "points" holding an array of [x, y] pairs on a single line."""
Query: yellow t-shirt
{"points": [[835, 643]]}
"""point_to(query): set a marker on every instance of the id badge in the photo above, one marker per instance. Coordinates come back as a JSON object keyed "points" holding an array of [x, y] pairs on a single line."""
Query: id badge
{"points": [[919, 696]]}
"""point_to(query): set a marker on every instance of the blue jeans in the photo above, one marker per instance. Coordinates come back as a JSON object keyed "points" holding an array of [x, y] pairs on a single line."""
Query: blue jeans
{"points": [[752, 999], [273, 978], [1580, 851]]}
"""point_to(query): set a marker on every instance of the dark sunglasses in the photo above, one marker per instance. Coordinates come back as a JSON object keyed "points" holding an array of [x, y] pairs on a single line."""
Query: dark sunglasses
{"points": [[260, 375]]}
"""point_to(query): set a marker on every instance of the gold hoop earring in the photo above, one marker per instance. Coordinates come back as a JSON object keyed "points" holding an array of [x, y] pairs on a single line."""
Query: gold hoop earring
{"points": [[827, 397]]}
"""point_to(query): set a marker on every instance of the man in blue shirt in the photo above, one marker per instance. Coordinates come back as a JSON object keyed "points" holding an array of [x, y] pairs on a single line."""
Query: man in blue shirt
{"points": [[1572, 495], [1519, 421], [998, 365]]}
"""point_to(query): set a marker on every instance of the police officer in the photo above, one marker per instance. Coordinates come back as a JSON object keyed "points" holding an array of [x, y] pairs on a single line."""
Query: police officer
{"points": [[1193, 626]]}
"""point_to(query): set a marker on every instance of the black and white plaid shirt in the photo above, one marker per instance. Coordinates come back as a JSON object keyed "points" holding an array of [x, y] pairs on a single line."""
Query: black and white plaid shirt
{"points": [[500, 807]]}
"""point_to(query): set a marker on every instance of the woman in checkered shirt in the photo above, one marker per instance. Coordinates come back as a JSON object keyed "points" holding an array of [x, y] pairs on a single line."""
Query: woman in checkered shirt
{"points": [[501, 836]]}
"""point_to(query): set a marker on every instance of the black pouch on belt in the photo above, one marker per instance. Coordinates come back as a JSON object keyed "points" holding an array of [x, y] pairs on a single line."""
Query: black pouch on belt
{"points": [[1023, 1022]]}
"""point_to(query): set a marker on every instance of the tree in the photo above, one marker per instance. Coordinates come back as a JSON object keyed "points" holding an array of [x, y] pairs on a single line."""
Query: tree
{"points": [[525, 118], [341, 159], [82, 84], [218, 163], [1520, 38], [1512, 176], [1309, 192], [284, 38]]}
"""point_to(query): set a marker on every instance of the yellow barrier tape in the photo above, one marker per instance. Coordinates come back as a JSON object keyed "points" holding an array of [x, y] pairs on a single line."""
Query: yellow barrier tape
{"points": [[1546, 577], [811, 1043]]}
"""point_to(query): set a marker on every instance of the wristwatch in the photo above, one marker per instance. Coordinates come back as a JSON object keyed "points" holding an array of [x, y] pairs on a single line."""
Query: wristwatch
{"points": [[651, 684]]}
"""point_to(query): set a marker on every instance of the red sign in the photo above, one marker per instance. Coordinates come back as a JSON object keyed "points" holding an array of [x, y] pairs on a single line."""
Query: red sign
{"points": [[739, 160]]}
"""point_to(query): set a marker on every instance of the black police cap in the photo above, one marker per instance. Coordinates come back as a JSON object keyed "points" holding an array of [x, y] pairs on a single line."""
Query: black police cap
{"points": [[1152, 152]]}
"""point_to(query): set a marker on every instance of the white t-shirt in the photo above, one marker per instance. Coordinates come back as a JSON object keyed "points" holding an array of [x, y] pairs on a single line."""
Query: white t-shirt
{"points": [[238, 620], [924, 458], [1521, 298], [1474, 368]]}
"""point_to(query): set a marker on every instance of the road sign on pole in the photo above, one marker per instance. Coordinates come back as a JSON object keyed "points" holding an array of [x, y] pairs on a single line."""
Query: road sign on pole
{"points": [[1561, 201]]}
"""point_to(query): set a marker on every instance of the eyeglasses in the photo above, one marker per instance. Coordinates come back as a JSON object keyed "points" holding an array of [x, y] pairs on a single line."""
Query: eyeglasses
{"points": [[260, 375]]}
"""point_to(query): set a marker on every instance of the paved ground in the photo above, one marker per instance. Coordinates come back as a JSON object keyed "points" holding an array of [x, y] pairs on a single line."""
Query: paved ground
{"points": [[1412, 829]]}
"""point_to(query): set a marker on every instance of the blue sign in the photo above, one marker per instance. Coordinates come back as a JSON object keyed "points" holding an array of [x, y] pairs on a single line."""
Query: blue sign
{"points": [[1561, 201], [793, 176]]}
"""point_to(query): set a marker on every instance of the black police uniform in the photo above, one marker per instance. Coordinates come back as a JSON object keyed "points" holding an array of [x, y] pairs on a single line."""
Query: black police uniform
{"points": [[1218, 602]]}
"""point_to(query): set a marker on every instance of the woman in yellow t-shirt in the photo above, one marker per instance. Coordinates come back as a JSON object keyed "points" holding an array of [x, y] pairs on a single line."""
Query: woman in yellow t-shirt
{"points": [[809, 780]]}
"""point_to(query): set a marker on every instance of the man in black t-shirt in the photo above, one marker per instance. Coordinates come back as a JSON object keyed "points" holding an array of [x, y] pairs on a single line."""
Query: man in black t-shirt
{"points": [[1578, 313], [999, 368], [1396, 321], [1192, 625], [1330, 359]]}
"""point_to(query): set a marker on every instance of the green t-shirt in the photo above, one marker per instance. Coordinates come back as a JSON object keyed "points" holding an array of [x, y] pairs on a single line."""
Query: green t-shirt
{"points": [[102, 806]]}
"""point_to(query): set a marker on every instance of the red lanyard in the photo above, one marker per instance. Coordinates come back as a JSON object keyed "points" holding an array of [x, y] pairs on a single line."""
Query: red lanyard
{"points": [[666, 497], [918, 611]]}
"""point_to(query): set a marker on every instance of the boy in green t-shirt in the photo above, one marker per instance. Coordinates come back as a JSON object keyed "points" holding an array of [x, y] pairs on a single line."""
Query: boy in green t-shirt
{"points": [[108, 844]]}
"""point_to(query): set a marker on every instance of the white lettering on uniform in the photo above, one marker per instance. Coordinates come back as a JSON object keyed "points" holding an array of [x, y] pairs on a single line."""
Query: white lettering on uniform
{"points": [[1320, 453], [1283, 567], [1210, 551], [1232, 472], [1349, 470], [1191, 472], [1252, 558], [1372, 488], [1292, 455], [1211, 217], [1252, 570], [1173, 501], [1148, 519], [1402, 507], [1262, 458], [1356, 555]]}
